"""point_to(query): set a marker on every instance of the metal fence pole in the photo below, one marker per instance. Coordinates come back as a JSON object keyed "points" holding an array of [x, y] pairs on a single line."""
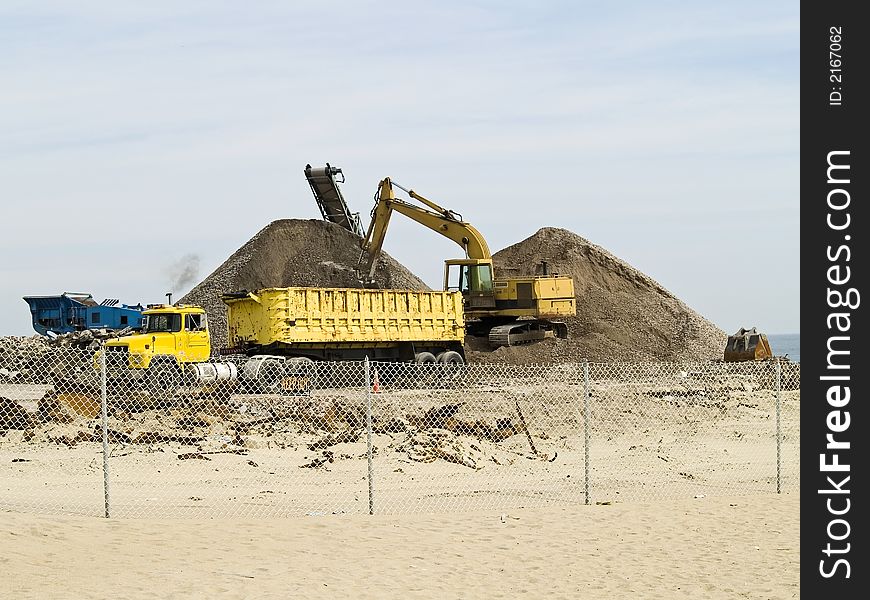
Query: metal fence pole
{"points": [[778, 425], [586, 427], [105, 427], [369, 433]]}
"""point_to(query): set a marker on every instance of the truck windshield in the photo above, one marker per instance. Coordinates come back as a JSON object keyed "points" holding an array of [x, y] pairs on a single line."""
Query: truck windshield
{"points": [[168, 322]]}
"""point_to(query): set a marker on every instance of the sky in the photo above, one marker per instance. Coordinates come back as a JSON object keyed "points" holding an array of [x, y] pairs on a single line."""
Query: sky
{"points": [[142, 142]]}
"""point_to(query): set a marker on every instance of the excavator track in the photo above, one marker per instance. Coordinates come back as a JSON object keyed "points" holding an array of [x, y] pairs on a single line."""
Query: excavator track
{"points": [[519, 333]]}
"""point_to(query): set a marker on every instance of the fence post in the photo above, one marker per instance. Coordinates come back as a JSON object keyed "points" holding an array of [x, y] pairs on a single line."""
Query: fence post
{"points": [[105, 426], [586, 427], [369, 433], [778, 430]]}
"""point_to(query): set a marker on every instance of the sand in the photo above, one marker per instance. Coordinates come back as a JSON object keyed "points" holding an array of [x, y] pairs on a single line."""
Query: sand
{"points": [[622, 313], [684, 469], [733, 547]]}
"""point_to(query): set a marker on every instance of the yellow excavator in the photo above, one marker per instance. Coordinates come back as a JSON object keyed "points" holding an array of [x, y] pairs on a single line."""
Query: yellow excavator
{"points": [[509, 311]]}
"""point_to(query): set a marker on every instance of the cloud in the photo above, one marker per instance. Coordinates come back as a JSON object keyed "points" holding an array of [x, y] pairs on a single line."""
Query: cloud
{"points": [[123, 125]]}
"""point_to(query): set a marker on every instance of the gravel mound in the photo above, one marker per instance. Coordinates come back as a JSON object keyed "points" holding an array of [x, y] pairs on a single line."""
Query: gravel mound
{"points": [[622, 314], [292, 252]]}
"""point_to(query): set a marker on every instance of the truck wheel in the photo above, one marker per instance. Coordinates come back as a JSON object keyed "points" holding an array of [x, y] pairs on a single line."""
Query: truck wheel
{"points": [[450, 358], [452, 365], [424, 375], [164, 378], [270, 376], [422, 358]]}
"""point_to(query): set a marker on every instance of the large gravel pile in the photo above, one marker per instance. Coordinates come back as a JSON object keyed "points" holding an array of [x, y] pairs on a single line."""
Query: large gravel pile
{"points": [[292, 252], [622, 314]]}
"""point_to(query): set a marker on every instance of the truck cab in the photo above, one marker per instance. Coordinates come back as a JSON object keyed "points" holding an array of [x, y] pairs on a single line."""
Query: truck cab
{"points": [[176, 334]]}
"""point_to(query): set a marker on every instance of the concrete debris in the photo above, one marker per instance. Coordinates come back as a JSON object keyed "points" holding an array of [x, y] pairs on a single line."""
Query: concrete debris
{"points": [[14, 416], [326, 457], [88, 338], [7, 375], [432, 444], [331, 439]]}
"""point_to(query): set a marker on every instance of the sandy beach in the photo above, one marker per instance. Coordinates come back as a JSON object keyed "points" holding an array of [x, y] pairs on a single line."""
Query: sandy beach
{"points": [[737, 547]]}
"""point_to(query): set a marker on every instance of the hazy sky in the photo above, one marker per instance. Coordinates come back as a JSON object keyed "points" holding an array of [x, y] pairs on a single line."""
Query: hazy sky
{"points": [[137, 138]]}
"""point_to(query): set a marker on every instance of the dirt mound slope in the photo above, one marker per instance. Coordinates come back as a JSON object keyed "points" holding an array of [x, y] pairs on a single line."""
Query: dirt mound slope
{"points": [[291, 252], [622, 314]]}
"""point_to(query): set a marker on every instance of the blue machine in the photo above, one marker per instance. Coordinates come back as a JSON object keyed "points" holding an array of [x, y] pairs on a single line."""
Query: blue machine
{"points": [[69, 312]]}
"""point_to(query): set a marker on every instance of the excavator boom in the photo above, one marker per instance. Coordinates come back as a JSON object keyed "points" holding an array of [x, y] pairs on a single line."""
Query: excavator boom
{"points": [[438, 219], [510, 311]]}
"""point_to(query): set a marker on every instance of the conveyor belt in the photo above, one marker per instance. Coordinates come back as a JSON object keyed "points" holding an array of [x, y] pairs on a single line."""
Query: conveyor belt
{"points": [[329, 199]]}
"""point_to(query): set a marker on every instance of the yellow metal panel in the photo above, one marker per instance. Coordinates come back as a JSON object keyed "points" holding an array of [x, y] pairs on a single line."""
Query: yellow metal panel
{"points": [[344, 316], [554, 287]]}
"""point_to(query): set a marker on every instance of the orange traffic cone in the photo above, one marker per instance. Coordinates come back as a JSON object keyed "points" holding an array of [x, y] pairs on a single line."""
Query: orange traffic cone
{"points": [[376, 387]]}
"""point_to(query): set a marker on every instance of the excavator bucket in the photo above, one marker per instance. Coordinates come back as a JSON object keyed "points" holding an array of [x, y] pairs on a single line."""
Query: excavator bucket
{"points": [[747, 344]]}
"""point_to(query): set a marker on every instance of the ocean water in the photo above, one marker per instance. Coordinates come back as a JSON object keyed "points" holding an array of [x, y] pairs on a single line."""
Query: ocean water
{"points": [[786, 343]]}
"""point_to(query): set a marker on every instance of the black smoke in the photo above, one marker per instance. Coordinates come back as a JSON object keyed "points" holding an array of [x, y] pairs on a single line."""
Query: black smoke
{"points": [[183, 273]]}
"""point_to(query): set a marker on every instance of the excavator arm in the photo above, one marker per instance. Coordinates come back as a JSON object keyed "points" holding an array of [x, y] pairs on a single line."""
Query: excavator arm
{"points": [[438, 219]]}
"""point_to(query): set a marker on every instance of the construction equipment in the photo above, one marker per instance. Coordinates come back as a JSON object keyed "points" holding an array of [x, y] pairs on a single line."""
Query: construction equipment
{"points": [[332, 206], [747, 344], [70, 311], [283, 331], [509, 311], [348, 324], [174, 339]]}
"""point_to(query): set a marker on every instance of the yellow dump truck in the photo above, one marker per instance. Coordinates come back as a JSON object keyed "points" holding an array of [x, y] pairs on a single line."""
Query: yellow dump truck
{"points": [[347, 324], [282, 331]]}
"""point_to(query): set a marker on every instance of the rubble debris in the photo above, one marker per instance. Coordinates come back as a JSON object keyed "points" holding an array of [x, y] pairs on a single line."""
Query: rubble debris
{"points": [[444, 417], [432, 444], [331, 439], [437, 416], [7, 375], [14, 416], [327, 457], [189, 455], [525, 427], [86, 339], [66, 407]]}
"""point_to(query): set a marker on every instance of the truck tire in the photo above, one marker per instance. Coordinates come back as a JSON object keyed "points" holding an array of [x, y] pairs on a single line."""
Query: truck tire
{"points": [[450, 358], [422, 358], [425, 375], [163, 380], [270, 377], [452, 366]]}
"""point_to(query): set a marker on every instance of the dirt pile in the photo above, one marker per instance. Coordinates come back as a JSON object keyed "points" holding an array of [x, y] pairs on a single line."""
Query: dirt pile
{"points": [[622, 314], [292, 252]]}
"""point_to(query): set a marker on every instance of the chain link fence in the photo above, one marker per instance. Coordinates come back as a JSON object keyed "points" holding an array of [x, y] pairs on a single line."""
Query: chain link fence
{"points": [[93, 433]]}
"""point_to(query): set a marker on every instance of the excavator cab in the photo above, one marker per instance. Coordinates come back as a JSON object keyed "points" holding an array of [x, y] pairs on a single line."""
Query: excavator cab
{"points": [[472, 277]]}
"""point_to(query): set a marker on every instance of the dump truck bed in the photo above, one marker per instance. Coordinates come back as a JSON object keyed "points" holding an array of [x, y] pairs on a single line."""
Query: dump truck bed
{"points": [[339, 316]]}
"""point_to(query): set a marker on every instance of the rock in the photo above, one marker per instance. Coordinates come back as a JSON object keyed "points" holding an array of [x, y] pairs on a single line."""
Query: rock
{"points": [[14, 416]]}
